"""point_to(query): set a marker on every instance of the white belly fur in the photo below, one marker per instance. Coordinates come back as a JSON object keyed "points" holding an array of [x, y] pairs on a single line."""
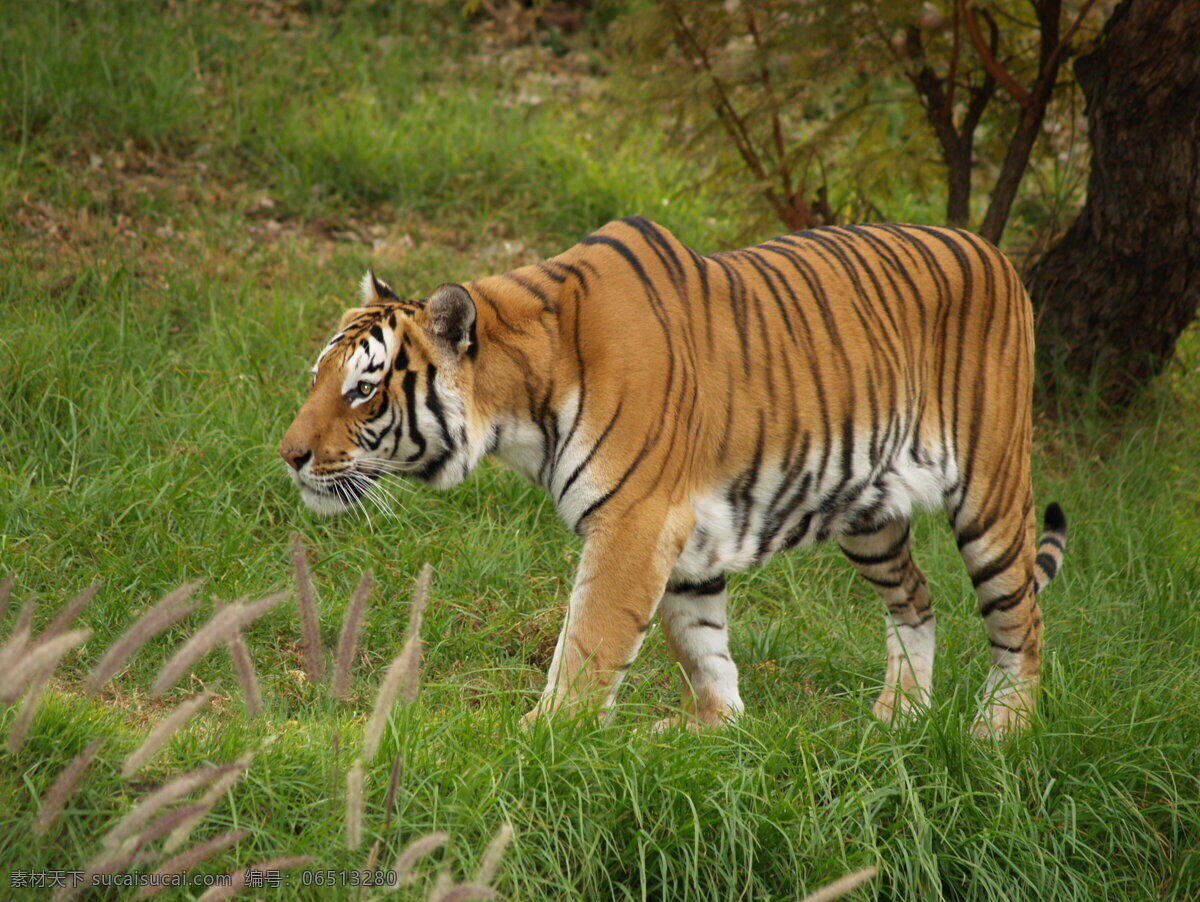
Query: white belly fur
{"points": [[738, 528]]}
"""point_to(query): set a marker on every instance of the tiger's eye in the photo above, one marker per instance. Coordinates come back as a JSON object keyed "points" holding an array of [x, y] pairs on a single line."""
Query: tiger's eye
{"points": [[365, 389]]}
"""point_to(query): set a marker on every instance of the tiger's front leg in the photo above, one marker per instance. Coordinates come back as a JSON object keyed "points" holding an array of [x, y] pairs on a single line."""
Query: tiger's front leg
{"points": [[622, 572]]}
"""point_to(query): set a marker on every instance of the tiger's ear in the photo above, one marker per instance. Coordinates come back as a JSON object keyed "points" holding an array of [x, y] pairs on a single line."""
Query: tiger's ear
{"points": [[374, 291], [451, 317]]}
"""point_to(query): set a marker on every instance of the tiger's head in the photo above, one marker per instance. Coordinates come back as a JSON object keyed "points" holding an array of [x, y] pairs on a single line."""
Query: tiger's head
{"points": [[390, 394]]}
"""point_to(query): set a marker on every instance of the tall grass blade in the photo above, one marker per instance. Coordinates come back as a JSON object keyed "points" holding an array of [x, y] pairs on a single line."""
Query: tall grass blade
{"points": [[462, 892], [6, 585]]}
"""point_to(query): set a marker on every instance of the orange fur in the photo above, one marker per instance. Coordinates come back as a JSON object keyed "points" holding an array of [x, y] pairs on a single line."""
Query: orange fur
{"points": [[692, 415]]}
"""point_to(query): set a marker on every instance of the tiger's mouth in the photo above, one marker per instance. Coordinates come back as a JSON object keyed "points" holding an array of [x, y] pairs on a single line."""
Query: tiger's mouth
{"points": [[335, 493]]}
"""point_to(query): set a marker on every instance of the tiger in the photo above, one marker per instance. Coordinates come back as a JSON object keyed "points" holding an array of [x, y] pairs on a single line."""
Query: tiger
{"points": [[692, 415]]}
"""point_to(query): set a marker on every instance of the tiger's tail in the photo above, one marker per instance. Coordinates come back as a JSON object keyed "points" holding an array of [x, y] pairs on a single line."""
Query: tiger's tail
{"points": [[1051, 548]]}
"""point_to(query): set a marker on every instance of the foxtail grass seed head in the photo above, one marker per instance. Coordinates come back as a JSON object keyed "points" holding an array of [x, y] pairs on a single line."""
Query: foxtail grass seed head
{"points": [[354, 805], [412, 645], [215, 792], [24, 619], [13, 651], [19, 728], [163, 731], [190, 858], [493, 854], [840, 887], [238, 879], [164, 824], [373, 856], [244, 665], [170, 609], [348, 640], [414, 852], [47, 655], [314, 665], [389, 802], [403, 676], [173, 789], [389, 688], [70, 611], [219, 629], [40, 657], [441, 886], [104, 863], [420, 598], [56, 797]]}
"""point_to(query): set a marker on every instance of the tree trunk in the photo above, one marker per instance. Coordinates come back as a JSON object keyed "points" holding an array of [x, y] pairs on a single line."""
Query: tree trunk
{"points": [[1124, 282]]}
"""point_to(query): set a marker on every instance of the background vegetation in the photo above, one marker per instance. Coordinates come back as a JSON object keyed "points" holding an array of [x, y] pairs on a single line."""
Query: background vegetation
{"points": [[188, 194]]}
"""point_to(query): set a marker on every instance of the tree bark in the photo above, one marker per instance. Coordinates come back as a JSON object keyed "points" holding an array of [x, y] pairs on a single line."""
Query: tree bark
{"points": [[1114, 295]]}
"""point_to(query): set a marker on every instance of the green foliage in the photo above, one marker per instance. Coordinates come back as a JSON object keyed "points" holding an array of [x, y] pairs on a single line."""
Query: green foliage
{"points": [[96, 72], [790, 98]]}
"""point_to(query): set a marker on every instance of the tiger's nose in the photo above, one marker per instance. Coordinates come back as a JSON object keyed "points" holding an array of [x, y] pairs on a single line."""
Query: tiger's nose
{"points": [[295, 457]]}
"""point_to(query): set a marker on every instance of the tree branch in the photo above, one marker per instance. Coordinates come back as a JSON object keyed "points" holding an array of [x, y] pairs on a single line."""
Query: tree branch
{"points": [[952, 71], [725, 111], [785, 172], [990, 63]]}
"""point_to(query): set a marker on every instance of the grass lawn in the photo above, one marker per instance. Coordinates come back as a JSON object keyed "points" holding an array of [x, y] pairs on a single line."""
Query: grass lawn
{"points": [[187, 200]]}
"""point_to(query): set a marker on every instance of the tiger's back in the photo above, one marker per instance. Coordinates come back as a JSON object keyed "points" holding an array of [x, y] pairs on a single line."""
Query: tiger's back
{"points": [[706, 412]]}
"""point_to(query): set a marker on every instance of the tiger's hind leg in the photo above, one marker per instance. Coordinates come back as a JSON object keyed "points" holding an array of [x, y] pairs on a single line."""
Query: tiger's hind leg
{"points": [[693, 619], [998, 548], [882, 558]]}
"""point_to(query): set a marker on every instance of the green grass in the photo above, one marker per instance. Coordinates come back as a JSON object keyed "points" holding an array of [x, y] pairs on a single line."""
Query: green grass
{"points": [[146, 376]]}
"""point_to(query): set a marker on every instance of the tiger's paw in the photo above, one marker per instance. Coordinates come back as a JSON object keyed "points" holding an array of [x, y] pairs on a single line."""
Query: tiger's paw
{"points": [[678, 722], [895, 706], [1006, 717], [697, 722]]}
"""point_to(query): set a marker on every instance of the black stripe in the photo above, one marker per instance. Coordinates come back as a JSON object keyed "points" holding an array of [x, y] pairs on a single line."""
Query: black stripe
{"points": [[591, 453], [709, 624], [1004, 602], [410, 398], [883, 583], [547, 304], [867, 560], [604, 499], [1015, 651], [999, 565], [713, 586], [434, 403]]}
